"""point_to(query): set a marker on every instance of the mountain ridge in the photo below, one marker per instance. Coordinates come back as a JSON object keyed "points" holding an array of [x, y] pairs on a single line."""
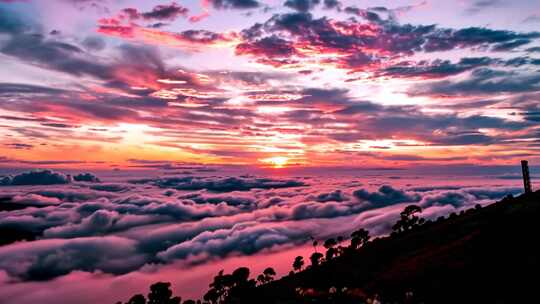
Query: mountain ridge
{"points": [[483, 255]]}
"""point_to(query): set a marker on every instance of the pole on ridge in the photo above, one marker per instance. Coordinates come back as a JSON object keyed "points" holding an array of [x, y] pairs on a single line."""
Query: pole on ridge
{"points": [[526, 176]]}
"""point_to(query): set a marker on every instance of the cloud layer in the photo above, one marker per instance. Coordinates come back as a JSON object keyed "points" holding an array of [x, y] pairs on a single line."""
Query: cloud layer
{"points": [[120, 227]]}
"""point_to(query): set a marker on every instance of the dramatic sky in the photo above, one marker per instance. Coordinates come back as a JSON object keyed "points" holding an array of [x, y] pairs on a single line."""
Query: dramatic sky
{"points": [[103, 83]]}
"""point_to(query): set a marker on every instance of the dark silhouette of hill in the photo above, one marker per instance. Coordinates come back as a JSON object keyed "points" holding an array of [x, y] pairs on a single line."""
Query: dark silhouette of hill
{"points": [[483, 255]]}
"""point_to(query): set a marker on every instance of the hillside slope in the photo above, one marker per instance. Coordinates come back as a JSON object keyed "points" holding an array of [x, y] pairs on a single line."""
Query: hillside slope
{"points": [[487, 255]]}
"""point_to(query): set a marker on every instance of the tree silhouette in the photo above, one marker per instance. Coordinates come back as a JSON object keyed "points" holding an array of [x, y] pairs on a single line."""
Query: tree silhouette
{"points": [[261, 279], [315, 243], [339, 248], [240, 275], [241, 285], [218, 287], [298, 263], [330, 250], [359, 238], [267, 276], [160, 293], [227, 288], [212, 296], [329, 243], [269, 273], [408, 219], [315, 259]]}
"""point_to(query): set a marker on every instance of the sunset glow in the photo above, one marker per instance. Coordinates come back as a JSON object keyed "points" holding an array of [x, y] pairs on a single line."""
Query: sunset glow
{"points": [[277, 161]]}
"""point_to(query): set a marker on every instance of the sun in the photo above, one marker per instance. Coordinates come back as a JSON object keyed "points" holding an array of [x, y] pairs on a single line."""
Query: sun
{"points": [[277, 161]]}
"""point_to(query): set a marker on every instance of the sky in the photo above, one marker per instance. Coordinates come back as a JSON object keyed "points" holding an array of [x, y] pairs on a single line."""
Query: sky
{"points": [[296, 83]]}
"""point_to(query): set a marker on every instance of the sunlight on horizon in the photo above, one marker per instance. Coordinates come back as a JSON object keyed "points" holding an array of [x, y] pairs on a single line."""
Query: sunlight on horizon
{"points": [[277, 162]]}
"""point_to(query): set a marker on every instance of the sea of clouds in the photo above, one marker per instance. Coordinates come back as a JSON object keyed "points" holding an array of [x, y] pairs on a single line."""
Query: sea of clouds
{"points": [[186, 226]]}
